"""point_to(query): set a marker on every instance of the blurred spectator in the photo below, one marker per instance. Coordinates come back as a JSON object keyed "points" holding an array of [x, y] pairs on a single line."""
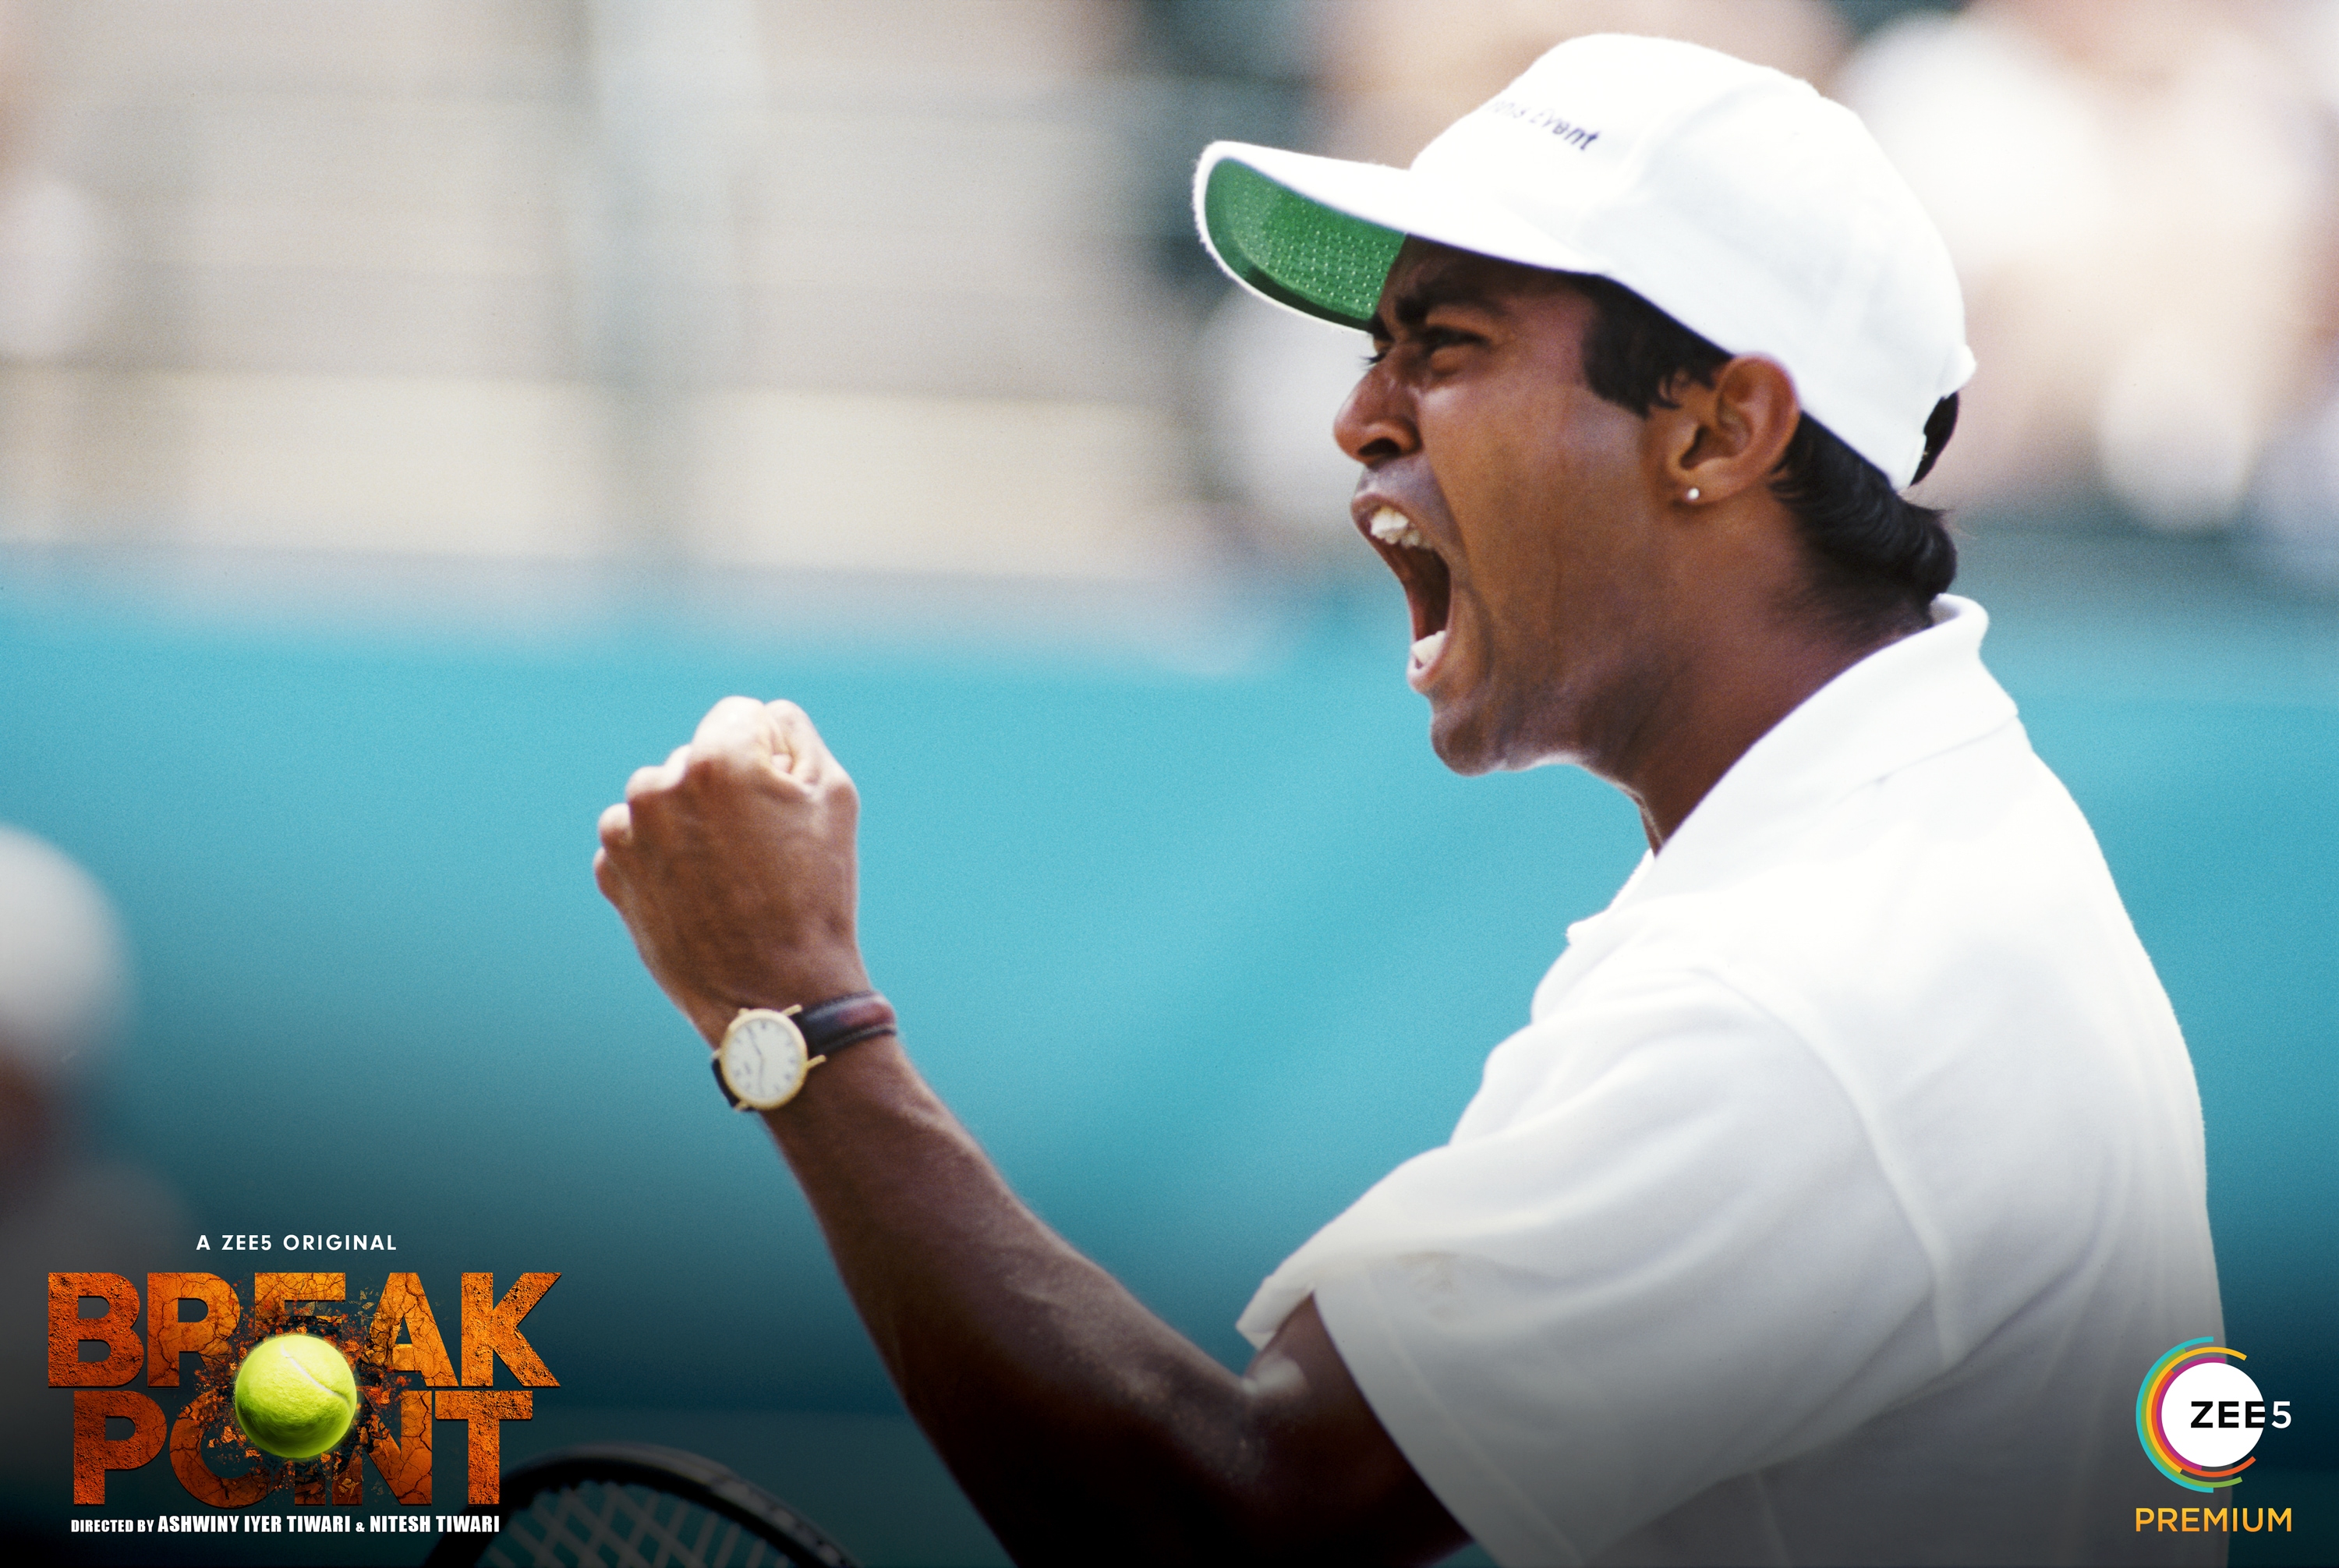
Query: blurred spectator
{"points": [[62, 991], [1395, 73], [2294, 505], [2136, 192], [64, 985], [55, 244]]}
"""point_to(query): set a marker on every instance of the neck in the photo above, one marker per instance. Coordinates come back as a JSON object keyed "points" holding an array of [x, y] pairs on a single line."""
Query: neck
{"points": [[1741, 681]]}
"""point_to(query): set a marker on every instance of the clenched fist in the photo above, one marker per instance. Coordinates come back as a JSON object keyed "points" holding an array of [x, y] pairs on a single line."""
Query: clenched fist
{"points": [[732, 862]]}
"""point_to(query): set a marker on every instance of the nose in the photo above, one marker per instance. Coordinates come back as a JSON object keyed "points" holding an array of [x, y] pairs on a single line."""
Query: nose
{"points": [[1376, 423]]}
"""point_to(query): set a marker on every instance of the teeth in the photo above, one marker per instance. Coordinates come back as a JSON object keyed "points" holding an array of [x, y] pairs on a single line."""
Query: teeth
{"points": [[1392, 526], [1425, 651]]}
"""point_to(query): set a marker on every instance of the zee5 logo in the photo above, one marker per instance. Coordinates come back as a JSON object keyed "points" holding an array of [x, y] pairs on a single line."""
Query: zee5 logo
{"points": [[2198, 1415]]}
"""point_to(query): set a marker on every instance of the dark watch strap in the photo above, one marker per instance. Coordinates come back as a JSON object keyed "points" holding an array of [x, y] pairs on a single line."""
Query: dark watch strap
{"points": [[828, 1029], [723, 1083], [846, 1020]]}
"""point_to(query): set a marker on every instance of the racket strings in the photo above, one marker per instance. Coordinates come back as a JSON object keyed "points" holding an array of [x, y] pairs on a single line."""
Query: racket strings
{"points": [[596, 1524]]}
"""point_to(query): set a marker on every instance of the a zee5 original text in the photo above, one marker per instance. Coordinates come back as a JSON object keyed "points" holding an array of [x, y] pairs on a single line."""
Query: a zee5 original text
{"points": [[347, 1241]]}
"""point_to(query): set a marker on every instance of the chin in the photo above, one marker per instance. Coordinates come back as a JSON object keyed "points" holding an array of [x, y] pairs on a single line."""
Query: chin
{"points": [[1463, 746], [1469, 743]]}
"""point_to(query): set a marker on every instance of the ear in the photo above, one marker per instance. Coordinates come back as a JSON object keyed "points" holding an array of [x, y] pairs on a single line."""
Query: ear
{"points": [[1724, 437]]}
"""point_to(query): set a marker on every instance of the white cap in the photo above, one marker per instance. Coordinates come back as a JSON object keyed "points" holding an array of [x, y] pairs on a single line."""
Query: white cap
{"points": [[1734, 198]]}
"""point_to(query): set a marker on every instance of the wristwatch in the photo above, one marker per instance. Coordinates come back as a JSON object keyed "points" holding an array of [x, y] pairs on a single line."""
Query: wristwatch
{"points": [[764, 1055]]}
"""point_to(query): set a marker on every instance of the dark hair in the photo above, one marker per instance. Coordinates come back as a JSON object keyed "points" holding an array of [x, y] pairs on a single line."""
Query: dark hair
{"points": [[1879, 555]]}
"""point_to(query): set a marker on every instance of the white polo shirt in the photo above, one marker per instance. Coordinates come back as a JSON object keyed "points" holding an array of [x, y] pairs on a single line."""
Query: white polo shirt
{"points": [[1842, 1189]]}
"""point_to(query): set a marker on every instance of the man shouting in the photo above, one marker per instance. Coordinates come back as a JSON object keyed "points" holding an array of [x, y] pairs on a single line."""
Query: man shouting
{"points": [[1848, 1175]]}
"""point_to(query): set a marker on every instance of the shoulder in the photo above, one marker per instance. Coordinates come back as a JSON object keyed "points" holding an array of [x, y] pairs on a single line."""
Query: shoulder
{"points": [[1970, 876], [1942, 959], [1936, 935]]}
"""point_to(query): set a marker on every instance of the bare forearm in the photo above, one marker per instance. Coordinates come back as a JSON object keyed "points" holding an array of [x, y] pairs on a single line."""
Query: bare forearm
{"points": [[1072, 1416], [1079, 1423]]}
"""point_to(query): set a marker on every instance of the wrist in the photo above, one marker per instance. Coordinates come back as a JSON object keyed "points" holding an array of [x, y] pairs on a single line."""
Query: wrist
{"points": [[874, 1079], [711, 1015], [767, 1054]]}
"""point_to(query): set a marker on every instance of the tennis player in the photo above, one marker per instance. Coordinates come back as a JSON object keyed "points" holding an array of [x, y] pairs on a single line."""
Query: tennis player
{"points": [[1848, 1177]]}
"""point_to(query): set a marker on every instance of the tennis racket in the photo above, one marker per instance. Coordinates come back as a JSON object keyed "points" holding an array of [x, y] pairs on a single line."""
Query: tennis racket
{"points": [[635, 1505]]}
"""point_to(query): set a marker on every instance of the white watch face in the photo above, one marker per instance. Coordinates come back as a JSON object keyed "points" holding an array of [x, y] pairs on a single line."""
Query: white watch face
{"points": [[763, 1058]]}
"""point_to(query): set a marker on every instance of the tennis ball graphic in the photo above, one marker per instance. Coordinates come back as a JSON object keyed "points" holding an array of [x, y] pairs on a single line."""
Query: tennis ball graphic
{"points": [[294, 1396]]}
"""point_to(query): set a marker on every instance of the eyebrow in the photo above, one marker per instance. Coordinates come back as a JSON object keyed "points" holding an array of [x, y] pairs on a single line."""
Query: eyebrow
{"points": [[1417, 299]]}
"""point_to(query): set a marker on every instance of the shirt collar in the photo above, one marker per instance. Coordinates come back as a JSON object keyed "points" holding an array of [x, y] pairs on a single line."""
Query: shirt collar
{"points": [[1908, 701]]}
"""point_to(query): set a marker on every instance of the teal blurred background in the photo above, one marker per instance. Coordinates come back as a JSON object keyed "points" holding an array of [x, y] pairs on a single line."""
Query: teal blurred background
{"points": [[414, 413], [1189, 927]]}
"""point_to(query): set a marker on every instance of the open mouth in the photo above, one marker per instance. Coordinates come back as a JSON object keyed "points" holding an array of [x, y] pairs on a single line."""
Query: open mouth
{"points": [[1428, 586]]}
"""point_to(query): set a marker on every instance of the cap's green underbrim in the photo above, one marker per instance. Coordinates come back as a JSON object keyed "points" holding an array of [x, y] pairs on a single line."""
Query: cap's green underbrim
{"points": [[1296, 250]]}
